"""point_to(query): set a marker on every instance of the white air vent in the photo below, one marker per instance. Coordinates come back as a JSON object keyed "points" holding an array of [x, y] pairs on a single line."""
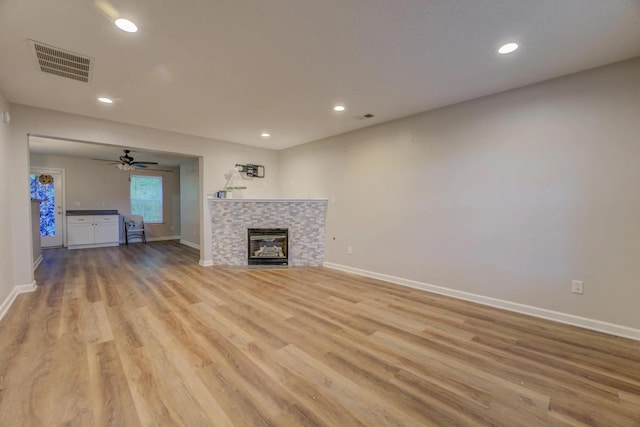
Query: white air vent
{"points": [[61, 62]]}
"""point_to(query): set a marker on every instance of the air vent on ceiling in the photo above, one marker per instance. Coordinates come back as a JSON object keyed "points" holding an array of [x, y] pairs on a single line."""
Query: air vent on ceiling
{"points": [[364, 116], [61, 62]]}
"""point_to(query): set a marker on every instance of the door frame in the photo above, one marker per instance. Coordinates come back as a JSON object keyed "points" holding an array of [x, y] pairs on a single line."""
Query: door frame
{"points": [[61, 171]]}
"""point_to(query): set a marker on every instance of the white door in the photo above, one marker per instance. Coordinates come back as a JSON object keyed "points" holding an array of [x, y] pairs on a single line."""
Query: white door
{"points": [[51, 221]]}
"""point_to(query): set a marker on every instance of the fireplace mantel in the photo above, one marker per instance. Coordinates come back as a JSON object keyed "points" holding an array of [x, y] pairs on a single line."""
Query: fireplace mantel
{"points": [[230, 219], [215, 199]]}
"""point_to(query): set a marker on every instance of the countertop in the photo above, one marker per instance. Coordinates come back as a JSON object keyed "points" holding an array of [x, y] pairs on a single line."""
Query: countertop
{"points": [[93, 212]]}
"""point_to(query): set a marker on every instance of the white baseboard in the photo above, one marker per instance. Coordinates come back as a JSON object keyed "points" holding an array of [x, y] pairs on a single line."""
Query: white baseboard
{"points": [[206, 263], [20, 289], [569, 319], [190, 244], [158, 239], [151, 239], [37, 262], [92, 245]]}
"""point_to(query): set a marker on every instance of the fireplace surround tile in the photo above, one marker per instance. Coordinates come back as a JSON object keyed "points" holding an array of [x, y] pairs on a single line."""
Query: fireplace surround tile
{"points": [[305, 219]]}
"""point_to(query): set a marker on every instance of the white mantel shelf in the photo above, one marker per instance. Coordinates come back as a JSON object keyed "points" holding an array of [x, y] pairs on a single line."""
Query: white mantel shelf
{"points": [[215, 199]]}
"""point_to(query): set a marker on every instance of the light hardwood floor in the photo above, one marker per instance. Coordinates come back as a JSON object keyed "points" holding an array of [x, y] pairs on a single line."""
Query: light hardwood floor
{"points": [[142, 335]]}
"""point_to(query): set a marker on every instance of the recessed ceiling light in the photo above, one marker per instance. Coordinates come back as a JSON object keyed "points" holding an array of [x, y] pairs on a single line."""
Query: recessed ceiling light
{"points": [[265, 134], [339, 108], [508, 48], [126, 25], [105, 100]]}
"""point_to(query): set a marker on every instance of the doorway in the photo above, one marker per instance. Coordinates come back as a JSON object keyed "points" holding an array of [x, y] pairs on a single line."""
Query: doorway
{"points": [[47, 185]]}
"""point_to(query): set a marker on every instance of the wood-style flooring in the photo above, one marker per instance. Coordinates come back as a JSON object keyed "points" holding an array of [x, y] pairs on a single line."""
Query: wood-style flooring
{"points": [[142, 335]]}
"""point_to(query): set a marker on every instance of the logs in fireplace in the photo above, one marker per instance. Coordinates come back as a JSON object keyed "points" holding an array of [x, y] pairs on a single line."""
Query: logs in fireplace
{"points": [[268, 246]]}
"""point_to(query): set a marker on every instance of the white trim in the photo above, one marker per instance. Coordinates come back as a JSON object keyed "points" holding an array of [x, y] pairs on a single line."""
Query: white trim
{"points": [[37, 262], [190, 244], [20, 289], [212, 197], [158, 239], [92, 245], [569, 319], [206, 263]]}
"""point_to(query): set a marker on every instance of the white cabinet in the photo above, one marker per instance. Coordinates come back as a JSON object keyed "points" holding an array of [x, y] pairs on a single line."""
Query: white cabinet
{"points": [[107, 232], [92, 231], [80, 234]]}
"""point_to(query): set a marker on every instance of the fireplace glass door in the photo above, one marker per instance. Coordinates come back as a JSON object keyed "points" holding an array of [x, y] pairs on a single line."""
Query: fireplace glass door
{"points": [[268, 246]]}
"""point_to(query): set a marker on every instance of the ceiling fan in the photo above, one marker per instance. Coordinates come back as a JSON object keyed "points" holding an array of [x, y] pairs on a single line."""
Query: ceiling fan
{"points": [[127, 160], [128, 163]]}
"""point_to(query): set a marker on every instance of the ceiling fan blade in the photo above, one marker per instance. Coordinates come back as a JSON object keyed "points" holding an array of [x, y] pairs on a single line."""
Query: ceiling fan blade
{"points": [[129, 161], [110, 162]]}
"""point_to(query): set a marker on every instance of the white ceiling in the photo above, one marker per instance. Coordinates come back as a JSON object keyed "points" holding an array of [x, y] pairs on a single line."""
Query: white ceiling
{"points": [[230, 69]]}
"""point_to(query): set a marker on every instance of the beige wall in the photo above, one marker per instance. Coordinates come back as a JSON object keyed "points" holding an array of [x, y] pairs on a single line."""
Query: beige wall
{"points": [[96, 185], [189, 190], [510, 196], [217, 158], [7, 281]]}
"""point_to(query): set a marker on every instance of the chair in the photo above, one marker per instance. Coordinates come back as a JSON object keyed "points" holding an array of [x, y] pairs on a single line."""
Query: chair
{"points": [[134, 228]]}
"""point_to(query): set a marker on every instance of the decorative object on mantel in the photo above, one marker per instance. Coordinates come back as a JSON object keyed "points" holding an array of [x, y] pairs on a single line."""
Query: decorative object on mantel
{"points": [[232, 175], [251, 170]]}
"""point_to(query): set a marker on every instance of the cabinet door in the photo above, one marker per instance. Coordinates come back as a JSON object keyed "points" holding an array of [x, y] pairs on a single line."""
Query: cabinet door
{"points": [[80, 234], [107, 232]]}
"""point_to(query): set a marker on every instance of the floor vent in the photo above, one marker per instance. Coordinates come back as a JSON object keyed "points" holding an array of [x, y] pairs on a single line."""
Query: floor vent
{"points": [[61, 62]]}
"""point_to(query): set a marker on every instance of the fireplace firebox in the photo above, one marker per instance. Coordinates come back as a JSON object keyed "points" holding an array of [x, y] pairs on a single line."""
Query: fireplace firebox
{"points": [[268, 246]]}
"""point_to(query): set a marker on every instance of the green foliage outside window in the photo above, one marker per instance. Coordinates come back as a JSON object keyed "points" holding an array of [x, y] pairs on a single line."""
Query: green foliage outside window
{"points": [[146, 197]]}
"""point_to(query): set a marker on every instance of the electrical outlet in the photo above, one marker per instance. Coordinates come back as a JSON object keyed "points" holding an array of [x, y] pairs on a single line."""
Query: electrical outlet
{"points": [[577, 287], [349, 250]]}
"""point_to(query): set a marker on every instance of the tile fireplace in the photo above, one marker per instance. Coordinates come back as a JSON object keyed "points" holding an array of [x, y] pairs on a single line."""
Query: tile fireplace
{"points": [[304, 220]]}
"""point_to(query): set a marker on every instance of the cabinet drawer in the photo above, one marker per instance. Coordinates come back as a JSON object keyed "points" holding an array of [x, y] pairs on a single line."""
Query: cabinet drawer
{"points": [[101, 219], [81, 219]]}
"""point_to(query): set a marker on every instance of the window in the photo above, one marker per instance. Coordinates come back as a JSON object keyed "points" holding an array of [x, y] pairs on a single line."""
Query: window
{"points": [[146, 197]]}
